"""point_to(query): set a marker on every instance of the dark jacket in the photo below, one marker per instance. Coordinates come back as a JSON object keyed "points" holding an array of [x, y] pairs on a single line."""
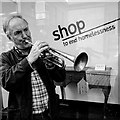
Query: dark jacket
{"points": [[15, 75]]}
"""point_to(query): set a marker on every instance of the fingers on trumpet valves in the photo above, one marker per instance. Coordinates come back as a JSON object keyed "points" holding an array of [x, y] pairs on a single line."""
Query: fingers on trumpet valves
{"points": [[43, 45]]}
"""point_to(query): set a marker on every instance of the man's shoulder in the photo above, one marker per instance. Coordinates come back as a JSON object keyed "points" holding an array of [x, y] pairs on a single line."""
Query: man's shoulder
{"points": [[7, 53]]}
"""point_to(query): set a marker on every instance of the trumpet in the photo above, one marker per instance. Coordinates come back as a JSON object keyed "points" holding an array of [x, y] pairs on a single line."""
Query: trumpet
{"points": [[53, 56]]}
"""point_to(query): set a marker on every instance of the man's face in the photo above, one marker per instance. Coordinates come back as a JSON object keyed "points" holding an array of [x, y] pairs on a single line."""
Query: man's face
{"points": [[19, 32]]}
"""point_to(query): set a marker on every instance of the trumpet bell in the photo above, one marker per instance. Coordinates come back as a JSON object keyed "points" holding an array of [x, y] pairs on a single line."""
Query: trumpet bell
{"points": [[81, 61]]}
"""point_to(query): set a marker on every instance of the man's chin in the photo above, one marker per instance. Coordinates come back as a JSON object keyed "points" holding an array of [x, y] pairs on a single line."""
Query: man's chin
{"points": [[28, 45], [25, 47]]}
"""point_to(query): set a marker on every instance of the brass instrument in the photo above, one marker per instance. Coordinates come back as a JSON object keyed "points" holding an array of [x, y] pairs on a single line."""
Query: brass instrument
{"points": [[53, 56]]}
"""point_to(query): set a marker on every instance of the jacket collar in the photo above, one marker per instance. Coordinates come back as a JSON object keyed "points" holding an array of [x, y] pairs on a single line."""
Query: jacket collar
{"points": [[18, 53]]}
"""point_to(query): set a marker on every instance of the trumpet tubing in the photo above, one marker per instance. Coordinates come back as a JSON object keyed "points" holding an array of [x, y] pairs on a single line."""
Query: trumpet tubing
{"points": [[79, 62]]}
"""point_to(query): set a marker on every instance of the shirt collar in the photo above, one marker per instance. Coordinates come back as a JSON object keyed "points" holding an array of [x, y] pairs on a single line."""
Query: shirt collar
{"points": [[20, 53]]}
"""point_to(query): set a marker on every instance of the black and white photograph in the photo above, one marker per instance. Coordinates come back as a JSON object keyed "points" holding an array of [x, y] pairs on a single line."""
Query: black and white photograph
{"points": [[59, 60]]}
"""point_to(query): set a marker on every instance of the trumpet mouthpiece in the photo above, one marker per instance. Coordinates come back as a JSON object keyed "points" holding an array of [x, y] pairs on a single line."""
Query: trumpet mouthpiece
{"points": [[28, 42]]}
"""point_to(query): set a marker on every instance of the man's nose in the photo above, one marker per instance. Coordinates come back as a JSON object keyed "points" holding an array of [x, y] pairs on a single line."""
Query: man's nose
{"points": [[24, 35]]}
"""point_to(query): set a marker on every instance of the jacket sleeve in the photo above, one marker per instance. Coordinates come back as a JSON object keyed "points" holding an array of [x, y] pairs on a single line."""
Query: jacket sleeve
{"points": [[11, 76], [58, 74]]}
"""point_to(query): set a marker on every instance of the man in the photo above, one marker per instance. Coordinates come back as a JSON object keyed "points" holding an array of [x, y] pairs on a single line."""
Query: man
{"points": [[26, 75]]}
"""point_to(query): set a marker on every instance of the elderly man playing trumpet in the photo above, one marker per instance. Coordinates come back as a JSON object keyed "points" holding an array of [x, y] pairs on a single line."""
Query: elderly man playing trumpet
{"points": [[27, 76]]}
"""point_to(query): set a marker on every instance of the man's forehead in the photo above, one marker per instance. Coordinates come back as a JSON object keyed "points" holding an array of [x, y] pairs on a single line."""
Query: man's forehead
{"points": [[17, 22]]}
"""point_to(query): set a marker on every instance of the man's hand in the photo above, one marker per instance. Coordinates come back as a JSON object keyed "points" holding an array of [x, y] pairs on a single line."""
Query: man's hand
{"points": [[36, 51]]}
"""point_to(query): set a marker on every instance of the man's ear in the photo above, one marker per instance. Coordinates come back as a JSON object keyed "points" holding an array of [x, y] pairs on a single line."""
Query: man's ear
{"points": [[9, 37]]}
